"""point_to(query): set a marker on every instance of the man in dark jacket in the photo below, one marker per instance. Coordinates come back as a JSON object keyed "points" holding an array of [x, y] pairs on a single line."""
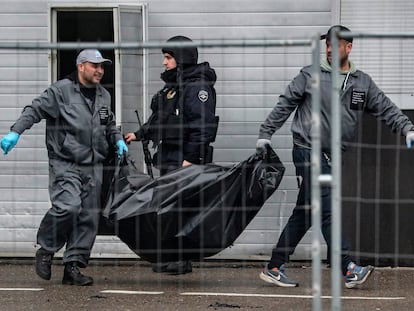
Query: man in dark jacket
{"points": [[359, 94], [183, 122], [80, 128]]}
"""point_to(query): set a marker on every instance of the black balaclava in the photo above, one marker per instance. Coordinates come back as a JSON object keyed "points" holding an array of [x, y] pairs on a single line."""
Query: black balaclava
{"points": [[184, 56]]}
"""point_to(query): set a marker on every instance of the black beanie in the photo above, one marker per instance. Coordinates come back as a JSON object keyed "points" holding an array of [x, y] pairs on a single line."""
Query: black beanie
{"points": [[182, 55]]}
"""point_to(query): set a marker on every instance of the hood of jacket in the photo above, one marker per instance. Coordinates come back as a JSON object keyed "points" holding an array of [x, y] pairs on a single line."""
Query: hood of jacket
{"points": [[344, 75], [326, 66], [201, 71]]}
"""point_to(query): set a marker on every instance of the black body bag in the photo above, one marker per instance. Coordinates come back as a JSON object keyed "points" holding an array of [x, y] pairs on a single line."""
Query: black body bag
{"points": [[192, 212]]}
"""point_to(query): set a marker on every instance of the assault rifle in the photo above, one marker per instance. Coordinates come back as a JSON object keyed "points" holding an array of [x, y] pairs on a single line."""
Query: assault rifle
{"points": [[147, 154]]}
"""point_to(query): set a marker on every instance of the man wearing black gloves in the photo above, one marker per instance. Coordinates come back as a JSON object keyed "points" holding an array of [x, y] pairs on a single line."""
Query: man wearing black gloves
{"points": [[183, 122], [80, 128]]}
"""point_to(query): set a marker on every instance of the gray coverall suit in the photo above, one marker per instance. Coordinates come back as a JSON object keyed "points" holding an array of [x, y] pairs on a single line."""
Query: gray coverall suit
{"points": [[79, 132]]}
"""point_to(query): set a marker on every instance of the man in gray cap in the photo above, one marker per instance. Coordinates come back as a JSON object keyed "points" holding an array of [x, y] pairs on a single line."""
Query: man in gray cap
{"points": [[80, 128]]}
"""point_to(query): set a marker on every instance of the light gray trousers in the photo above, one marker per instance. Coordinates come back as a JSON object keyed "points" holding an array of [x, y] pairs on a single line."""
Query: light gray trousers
{"points": [[74, 216]]}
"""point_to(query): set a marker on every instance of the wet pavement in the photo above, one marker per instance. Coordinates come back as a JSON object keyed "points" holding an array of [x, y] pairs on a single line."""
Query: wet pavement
{"points": [[213, 285]]}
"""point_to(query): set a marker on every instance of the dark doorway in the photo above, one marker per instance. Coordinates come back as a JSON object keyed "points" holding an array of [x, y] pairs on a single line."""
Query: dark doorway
{"points": [[86, 26]]}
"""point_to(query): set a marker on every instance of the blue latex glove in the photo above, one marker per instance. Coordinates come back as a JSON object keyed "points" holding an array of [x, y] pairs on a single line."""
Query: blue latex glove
{"points": [[409, 139], [122, 147], [9, 141]]}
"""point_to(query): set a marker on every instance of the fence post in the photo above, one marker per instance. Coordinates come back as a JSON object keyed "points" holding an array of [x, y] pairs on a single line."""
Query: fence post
{"points": [[315, 171], [336, 247]]}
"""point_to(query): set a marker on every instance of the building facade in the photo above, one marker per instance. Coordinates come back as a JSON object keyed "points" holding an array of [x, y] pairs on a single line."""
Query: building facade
{"points": [[249, 82]]}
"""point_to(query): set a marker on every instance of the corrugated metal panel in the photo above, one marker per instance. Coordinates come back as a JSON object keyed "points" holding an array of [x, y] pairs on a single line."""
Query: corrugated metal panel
{"points": [[390, 61], [249, 82], [131, 30]]}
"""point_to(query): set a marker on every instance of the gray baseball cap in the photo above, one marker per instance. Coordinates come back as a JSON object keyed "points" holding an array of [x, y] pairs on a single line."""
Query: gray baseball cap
{"points": [[92, 56]]}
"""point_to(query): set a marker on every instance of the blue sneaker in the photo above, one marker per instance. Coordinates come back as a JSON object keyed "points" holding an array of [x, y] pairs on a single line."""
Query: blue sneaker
{"points": [[277, 276], [357, 275]]}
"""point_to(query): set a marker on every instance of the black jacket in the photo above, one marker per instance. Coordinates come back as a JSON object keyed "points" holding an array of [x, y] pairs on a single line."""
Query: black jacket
{"points": [[183, 113]]}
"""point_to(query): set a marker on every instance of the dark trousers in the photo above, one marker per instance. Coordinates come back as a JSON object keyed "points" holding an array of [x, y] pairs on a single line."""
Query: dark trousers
{"points": [[74, 216], [300, 220]]}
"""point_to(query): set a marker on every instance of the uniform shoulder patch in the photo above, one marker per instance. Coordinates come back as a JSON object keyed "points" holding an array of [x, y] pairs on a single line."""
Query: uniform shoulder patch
{"points": [[203, 96]]}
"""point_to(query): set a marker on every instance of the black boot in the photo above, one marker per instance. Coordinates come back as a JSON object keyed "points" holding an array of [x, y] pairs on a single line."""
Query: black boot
{"points": [[180, 267], [43, 263], [72, 275], [173, 267], [160, 267]]}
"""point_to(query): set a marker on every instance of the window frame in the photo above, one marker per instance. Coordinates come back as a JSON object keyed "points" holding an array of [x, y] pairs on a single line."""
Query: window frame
{"points": [[116, 9]]}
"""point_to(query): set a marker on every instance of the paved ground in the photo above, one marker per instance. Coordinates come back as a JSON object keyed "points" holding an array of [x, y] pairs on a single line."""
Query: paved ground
{"points": [[211, 286]]}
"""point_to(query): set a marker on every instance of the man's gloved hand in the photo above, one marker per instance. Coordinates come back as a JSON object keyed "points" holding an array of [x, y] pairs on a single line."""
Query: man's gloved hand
{"points": [[409, 138], [9, 141], [261, 146], [122, 147]]}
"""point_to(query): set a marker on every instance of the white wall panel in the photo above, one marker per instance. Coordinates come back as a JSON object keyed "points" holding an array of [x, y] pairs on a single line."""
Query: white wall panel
{"points": [[249, 83], [388, 61]]}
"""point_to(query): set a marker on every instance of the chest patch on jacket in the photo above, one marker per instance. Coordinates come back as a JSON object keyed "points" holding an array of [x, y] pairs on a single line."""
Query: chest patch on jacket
{"points": [[357, 99], [171, 94], [104, 115], [203, 96]]}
